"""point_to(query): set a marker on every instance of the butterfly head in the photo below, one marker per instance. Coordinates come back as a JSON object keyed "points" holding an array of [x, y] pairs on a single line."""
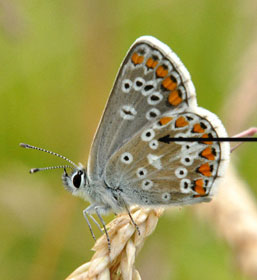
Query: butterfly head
{"points": [[76, 181]]}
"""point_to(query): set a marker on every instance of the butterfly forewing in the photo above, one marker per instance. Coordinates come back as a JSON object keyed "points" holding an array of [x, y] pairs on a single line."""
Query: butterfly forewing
{"points": [[151, 170], [152, 80]]}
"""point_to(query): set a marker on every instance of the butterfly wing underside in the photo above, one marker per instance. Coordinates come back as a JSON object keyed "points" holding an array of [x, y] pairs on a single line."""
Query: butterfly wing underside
{"points": [[151, 81], [151, 170]]}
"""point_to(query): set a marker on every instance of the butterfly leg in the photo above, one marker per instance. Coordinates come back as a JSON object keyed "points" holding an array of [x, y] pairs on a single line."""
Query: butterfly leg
{"points": [[130, 216], [98, 210], [96, 223], [86, 214]]}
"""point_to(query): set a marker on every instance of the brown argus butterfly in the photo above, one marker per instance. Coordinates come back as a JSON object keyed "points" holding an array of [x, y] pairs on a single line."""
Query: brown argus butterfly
{"points": [[154, 145]]}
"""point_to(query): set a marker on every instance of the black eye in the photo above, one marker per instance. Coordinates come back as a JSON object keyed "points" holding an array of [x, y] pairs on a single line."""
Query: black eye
{"points": [[77, 179]]}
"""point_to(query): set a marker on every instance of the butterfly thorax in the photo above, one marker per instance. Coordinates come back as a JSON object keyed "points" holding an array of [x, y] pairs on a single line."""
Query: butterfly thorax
{"points": [[97, 192]]}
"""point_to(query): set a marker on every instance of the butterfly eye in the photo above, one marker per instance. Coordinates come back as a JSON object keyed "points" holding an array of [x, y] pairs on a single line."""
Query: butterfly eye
{"points": [[77, 179]]}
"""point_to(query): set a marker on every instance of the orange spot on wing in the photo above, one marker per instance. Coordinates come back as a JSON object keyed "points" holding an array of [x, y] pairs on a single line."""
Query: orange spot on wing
{"points": [[181, 122], [205, 169], [208, 154], [169, 83], [140, 59], [161, 71], [197, 128], [151, 63], [137, 59], [175, 98], [165, 120], [199, 187], [206, 142]]}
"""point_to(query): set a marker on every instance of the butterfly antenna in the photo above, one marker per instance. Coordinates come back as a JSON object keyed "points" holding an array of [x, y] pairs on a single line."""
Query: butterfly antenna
{"points": [[33, 170]]}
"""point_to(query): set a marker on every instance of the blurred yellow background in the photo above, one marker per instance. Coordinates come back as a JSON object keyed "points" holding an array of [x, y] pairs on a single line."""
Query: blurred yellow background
{"points": [[58, 61]]}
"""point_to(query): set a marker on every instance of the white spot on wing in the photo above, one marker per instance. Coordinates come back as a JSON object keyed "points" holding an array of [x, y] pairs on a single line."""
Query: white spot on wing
{"points": [[141, 172], [181, 172], [152, 114], [167, 64], [128, 112], [148, 88], [147, 184], [155, 161], [154, 144], [185, 185], [126, 158], [126, 85], [187, 160], [176, 76], [183, 92], [148, 135], [154, 98], [139, 83], [156, 53], [166, 196]]}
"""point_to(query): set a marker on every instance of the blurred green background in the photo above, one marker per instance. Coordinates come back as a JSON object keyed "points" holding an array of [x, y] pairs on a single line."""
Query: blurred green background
{"points": [[58, 61]]}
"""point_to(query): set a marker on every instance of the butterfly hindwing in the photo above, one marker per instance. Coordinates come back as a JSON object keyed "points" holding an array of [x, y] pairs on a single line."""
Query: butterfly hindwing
{"points": [[151, 81], [150, 170]]}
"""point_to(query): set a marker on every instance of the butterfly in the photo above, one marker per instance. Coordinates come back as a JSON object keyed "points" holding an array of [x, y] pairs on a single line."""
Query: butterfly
{"points": [[137, 155]]}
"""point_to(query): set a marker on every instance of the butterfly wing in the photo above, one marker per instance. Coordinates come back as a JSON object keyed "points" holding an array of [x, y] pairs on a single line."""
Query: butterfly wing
{"points": [[151, 81], [151, 170]]}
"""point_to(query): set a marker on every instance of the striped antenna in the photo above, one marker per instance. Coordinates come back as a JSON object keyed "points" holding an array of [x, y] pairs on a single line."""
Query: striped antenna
{"points": [[34, 170]]}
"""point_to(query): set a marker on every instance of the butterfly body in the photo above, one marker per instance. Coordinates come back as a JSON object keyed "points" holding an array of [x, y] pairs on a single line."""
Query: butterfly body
{"points": [[132, 160]]}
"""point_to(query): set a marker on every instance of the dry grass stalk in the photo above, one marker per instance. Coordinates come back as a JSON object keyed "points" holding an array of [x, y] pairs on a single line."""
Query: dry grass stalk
{"points": [[125, 244], [234, 215]]}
